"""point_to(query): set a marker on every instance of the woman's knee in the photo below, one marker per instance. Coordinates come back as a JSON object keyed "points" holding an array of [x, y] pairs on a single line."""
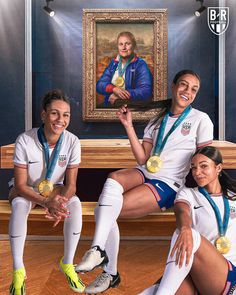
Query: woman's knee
{"points": [[117, 175], [21, 204], [74, 202]]}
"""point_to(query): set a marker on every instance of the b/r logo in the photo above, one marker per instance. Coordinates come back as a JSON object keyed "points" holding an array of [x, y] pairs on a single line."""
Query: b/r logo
{"points": [[218, 19]]}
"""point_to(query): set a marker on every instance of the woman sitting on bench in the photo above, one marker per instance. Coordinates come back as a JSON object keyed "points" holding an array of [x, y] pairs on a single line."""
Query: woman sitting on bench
{"points": [[43, 157], [164, 156], [202, 257]]}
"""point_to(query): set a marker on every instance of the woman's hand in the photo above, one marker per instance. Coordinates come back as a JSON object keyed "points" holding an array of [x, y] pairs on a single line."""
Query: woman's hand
{"points": [[183, 246], [113, 98], [56, 209], [125, 116], [121, 93]]}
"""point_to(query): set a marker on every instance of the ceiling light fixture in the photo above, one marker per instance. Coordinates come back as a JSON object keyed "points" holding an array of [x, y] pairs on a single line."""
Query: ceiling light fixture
{"points": [[201, 9], [48, 10]]}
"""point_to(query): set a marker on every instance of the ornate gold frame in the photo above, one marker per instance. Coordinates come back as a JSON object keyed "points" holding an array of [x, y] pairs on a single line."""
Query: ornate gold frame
{"points": [[91, 17]]}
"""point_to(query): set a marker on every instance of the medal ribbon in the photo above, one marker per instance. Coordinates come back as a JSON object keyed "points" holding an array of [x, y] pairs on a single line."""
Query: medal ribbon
{"points": [[120, 70], [160, 143], [55, 154], [221, 225]]}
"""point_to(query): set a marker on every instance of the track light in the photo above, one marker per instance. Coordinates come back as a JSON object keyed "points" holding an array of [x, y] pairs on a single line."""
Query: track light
{"points": [[201, 9], [48, 10]]}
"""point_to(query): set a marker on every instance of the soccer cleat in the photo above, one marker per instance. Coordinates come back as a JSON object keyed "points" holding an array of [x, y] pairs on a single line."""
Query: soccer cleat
{"points": [[18, 284], [93, 258], [73, 279], [102, 283]]}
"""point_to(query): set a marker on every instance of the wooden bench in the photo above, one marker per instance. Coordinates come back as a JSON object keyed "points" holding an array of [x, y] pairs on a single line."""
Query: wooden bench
{"points": [[153, 225], [112, 153]]}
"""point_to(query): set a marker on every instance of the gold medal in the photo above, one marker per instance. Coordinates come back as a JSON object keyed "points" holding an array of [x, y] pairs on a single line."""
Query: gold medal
{"points": [[119, 81], [45, 188], [223, 244], [154, 164]]}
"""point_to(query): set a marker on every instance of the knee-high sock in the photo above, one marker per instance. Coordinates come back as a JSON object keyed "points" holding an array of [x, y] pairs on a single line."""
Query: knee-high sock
{"points": [[150, 290], [18, 229], [111, 247], [72, 229], [108, 209], [173, 275]]}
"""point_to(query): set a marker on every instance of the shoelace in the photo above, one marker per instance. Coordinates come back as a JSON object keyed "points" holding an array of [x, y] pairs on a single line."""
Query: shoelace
{"points": [[101, 279], [71, 271]]}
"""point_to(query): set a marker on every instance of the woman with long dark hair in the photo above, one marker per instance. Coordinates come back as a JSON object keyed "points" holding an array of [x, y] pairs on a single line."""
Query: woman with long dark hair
{"points": [[163, 160], [202, 256], [43, 158]]}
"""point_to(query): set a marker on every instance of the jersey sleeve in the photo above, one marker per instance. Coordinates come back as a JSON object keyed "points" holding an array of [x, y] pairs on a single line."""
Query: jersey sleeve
{"points": [[204, 131], [185, 196], [148, 132], [75, 157], [20, 156]]}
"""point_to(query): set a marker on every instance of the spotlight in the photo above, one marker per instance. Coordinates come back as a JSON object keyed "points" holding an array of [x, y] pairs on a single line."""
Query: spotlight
{"points": [[201, 9], [48, 10]]}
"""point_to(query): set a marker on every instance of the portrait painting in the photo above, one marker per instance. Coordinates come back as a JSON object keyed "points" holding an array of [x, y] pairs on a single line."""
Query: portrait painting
{"points": [[124, 61]]}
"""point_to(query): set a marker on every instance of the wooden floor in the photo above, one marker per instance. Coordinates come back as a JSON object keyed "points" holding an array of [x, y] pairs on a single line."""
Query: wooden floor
{"points": [[140, 264]]}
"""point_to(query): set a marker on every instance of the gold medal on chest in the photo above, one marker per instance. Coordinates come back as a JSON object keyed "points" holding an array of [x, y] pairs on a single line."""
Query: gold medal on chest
{"points": [[154, 164], [45, 188], [120, 81], [223, 244]]}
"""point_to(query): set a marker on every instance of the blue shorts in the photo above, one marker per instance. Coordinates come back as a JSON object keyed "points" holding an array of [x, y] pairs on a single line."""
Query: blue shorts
{"points": [[230, 285], [163, 193]]}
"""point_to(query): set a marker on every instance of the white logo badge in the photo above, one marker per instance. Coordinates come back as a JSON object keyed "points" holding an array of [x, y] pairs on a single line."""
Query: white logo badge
{"points": [[218, 19]]}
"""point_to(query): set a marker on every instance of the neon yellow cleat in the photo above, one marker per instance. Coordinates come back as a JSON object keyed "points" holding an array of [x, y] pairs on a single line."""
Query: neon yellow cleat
{"points": [[18, 284], [73, 279]]}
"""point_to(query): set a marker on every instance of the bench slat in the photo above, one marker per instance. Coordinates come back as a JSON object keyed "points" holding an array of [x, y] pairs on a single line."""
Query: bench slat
{"points": [[116, 153]]}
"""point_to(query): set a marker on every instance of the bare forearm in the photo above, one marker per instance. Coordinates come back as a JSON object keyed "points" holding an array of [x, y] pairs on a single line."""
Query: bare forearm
{"points": [[68, 191], [183, 218], [28, 193]]}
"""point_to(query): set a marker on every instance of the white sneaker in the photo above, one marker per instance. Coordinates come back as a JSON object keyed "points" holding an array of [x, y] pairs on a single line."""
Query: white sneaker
{"points": [[103, 282], [93, 258]]}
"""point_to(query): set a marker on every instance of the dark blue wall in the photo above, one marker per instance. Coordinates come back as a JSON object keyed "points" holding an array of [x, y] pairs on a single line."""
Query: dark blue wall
{"points": [[57, 54], [230, 81], [57, 62], [12, 61]]}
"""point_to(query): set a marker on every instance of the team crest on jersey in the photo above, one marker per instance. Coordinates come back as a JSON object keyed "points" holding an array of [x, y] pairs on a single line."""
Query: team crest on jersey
{"points": [[232, 212], [62, 160], [186, 128]]}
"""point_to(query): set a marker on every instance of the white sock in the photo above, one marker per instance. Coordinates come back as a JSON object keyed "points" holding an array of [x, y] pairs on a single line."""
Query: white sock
{"points": [[72, 229], [150, 290], [112, 249], [173, 275], [18, 229], [108, 209]]}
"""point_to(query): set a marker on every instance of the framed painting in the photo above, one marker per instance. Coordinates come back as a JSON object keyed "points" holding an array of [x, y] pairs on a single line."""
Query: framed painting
{"points": [[124, 61]]}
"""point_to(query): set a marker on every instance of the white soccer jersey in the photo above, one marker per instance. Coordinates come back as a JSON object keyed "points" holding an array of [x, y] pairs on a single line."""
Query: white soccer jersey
{"points": [[204, 219], [29, 154], [194, 131]]}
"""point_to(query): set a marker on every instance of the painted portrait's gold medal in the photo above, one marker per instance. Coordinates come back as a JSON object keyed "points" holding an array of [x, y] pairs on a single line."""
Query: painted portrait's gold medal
{"points": [[154, 164], [45, 188], [120, 81], [223, 244]]}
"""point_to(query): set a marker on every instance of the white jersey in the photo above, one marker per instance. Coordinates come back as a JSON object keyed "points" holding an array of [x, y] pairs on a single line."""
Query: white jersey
{"points": [[194, 131], [204, 219], [29, 154]]}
